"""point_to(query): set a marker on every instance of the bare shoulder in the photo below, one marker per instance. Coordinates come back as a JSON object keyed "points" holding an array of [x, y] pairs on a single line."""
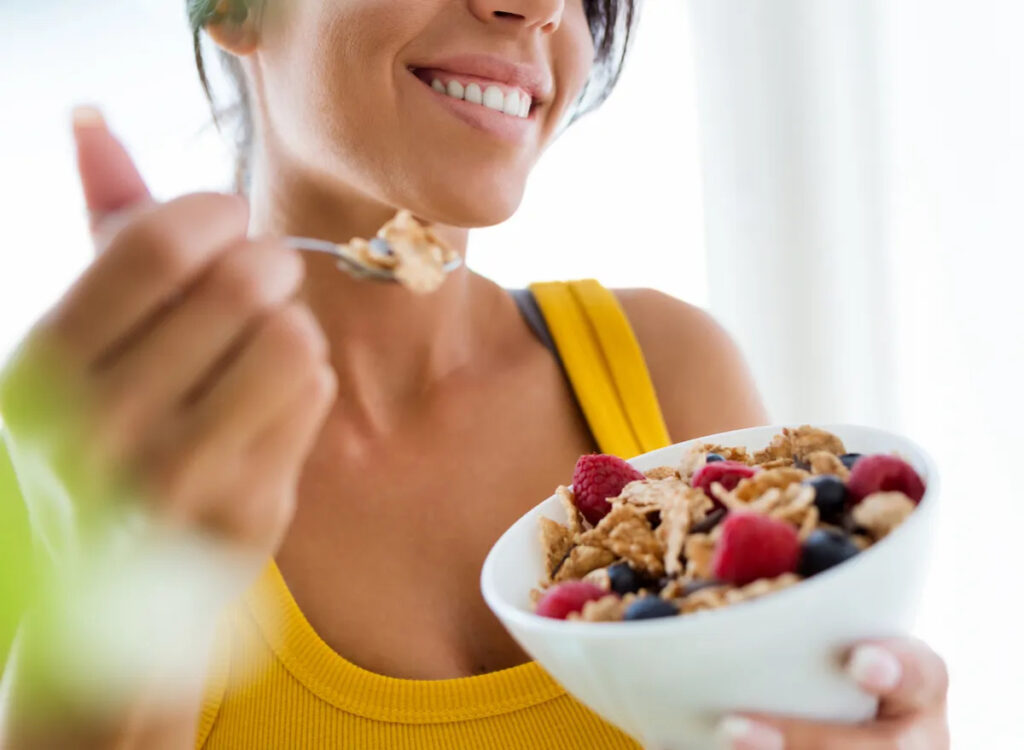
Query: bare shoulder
{"points": [[701, 378]]}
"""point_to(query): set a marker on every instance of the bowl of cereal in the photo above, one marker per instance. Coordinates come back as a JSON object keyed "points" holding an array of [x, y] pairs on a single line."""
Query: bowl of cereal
{"points": [[721, 574]]}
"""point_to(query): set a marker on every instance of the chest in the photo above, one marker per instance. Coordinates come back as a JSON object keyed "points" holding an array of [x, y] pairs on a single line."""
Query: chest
{"points": [[384, 554]]}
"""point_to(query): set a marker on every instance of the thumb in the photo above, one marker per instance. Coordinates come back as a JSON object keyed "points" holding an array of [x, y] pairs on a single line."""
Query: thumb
{"points": [[110, 181]]}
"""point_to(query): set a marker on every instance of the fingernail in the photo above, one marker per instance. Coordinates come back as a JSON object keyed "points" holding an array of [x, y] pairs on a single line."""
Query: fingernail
{"points": [[874, 668], [741, 733], [85, 116]]}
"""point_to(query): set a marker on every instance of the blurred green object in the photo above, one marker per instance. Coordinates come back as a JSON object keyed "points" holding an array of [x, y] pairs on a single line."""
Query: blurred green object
{"points": [[32, 509], [16, 562]]}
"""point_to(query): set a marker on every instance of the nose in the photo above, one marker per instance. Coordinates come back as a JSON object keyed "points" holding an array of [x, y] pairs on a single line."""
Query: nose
{"points": [[545, 15]]}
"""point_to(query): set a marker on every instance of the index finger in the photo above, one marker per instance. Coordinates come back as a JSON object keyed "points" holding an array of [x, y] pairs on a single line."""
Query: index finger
{"points": [[905, 673], [111, 183]]}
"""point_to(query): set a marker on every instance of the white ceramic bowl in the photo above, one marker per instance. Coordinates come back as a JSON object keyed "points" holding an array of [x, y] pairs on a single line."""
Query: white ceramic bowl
{"points": [[667, 681]]}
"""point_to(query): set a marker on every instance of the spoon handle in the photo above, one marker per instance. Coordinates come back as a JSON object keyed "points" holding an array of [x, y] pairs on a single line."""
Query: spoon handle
{"points": [[352, 265], [312, 245]]}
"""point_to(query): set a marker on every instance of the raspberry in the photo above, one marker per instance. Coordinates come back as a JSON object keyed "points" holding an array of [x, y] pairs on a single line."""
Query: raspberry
{"points": [[726, 473], [596, 478], [753, 546], [884, 473], [567, 597]]}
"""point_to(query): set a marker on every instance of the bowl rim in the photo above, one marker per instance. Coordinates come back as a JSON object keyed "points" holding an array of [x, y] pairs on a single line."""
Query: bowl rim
{"points": [[513, 615]]}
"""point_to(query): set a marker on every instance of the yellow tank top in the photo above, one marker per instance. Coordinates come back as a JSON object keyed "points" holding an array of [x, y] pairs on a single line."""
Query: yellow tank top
{"points": [[275, 684]]}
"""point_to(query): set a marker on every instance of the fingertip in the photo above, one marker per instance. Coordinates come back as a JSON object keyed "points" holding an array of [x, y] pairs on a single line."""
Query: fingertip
{"points": [[874, 668], [85, 117], [923, 681], [742, 733]]}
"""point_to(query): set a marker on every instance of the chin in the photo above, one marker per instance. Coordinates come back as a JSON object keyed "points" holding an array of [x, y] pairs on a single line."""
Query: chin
{"points": [[465, 203]]}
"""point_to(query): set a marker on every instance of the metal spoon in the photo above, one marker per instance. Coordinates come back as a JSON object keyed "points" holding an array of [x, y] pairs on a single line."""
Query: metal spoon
{"points": [[353, 265]]}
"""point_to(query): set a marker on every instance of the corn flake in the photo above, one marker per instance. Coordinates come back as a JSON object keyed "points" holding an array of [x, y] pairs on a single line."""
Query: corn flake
{"points": [[753, 487], [882, 512], [699, 550], [662, 472], [712, 597], [557, 541], [799, 443], [761, 587], [626, 532], [652, 494], [676, 521], [610, 608], [572, 512], [583, 559], [824, 462]]}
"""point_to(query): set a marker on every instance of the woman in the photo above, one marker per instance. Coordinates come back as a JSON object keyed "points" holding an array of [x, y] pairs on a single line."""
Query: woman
{"points": [[374, 442]]}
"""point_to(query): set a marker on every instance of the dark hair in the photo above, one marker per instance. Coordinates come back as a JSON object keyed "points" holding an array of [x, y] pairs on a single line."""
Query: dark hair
{"points": [[612, 23]]}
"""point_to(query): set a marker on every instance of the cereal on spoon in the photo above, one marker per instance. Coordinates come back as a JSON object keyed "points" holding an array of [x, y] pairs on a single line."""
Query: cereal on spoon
{"points": [[723, 527], [418, 256]]}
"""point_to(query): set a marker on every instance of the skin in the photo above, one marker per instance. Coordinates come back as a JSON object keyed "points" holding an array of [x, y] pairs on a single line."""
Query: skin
{"points": [[367, 391]]}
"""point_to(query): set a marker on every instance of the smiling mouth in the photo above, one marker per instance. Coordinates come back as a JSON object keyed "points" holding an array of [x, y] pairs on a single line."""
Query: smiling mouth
{"points": [[508, 100]]}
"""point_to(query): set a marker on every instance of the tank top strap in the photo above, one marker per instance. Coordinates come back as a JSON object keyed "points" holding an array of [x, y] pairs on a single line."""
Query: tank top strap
{"points": [[605, 365]]}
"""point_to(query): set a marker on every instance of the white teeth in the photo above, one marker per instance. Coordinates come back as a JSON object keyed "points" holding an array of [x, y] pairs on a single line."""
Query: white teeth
{"points": [[494, 98], [474, 94], [511, 104], [514, 103]]}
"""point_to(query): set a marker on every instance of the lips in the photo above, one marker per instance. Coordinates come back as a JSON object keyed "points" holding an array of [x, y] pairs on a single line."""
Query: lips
{"points": [[490, 93], [536, 80], [480, 91]]}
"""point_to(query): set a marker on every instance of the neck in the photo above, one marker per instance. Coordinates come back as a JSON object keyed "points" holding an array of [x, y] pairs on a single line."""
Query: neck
{"points": [[389, 346]]}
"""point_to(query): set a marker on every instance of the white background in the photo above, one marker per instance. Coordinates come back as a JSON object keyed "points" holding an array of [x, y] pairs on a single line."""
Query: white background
{"points": [[907, 239]]}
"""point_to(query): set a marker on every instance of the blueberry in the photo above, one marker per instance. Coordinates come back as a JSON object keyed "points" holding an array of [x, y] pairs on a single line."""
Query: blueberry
{"points": [[849, 459], [712, 457], [829, 495], [825, 548], [649, 607], [710, 521], [623, 579]]}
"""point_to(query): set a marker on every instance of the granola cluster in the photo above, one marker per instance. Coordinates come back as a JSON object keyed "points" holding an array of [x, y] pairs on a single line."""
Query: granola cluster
{"points": [[723, 526], [418, 256]]}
